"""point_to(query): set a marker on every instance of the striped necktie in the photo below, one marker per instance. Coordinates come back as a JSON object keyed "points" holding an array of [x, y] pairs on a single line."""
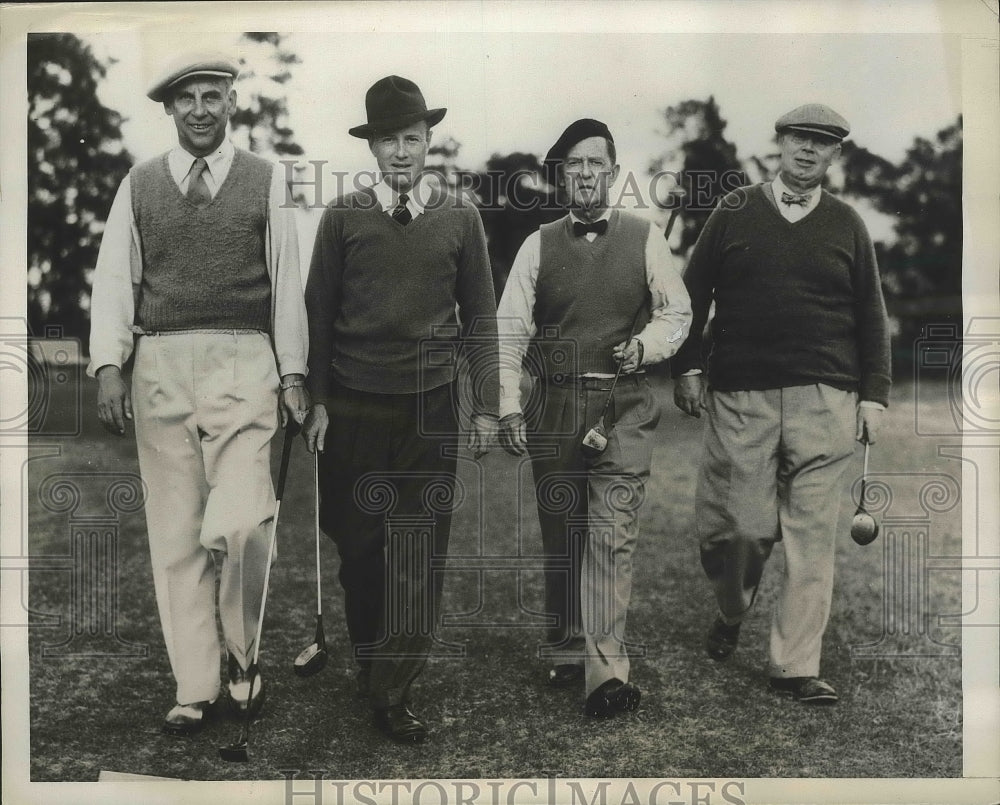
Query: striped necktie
{"points": [[401, 213], [197, 192]]}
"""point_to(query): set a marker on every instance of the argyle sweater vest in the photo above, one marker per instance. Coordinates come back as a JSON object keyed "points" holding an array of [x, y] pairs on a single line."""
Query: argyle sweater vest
{"points": [[589, 295], [203, 268]]}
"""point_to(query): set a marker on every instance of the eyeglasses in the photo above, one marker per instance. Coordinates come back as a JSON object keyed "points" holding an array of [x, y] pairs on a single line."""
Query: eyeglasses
{"points": [[818, 141], [576, 165]]}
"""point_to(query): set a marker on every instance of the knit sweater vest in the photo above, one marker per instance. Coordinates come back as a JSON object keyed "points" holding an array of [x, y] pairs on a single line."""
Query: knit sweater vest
{"points": [[382, 298], [588, 295], [203, 268], [795, 303]]}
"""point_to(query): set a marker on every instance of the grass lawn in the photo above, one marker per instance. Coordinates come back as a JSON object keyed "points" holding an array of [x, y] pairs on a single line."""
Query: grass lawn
{"points": [[489, 711]]}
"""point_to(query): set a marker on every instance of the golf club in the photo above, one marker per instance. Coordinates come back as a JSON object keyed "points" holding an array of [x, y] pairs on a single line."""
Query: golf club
{"points": [[313, 658], [595, 441], [864, 527], [237, 752]]}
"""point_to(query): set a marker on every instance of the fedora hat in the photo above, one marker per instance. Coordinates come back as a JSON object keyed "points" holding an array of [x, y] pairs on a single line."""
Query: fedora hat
{"points": [[394, 103]]}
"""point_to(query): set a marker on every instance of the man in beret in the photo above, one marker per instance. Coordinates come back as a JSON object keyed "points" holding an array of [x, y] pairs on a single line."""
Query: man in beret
{"points": [[199, 266], [799, 369], [390, 265], [592, 292]]}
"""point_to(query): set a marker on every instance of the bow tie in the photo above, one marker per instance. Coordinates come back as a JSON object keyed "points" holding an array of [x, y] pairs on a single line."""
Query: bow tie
{"points": [[795, 198], [599, 227]]}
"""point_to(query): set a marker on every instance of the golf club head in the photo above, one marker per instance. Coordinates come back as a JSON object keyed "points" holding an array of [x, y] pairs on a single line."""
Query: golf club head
{"points": [[864, 528], [236, 753], [595, 442], [311, 660]]}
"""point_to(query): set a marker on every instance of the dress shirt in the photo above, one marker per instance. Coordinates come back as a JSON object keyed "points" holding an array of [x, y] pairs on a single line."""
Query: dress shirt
{"points": [[794, 212], [119, 268], [670, 313], [388, 198]]}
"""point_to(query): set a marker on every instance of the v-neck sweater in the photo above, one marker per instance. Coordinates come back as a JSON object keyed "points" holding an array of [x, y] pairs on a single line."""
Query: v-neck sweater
{"points": [[795, 303], [382, 299], [203, 267]]}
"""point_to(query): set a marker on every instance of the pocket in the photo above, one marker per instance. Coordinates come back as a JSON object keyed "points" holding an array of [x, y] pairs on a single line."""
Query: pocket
{"points": [[636, 406]]}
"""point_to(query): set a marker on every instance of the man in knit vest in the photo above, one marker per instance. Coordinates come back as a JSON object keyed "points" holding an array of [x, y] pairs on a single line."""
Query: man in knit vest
{"points": [[800, 335], [591, 291], [199, 265], [390, 264]]}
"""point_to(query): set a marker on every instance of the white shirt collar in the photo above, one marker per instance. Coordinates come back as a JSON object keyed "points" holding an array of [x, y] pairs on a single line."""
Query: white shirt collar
{"points": [[389, 198], [604, 216], [218, 162], [780, 187]]}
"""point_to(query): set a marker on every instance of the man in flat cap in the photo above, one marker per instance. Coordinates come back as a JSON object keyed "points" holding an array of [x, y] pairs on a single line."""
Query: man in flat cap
{"points": [[799, 368], [592, 292], [390, 265], [199, 266]]}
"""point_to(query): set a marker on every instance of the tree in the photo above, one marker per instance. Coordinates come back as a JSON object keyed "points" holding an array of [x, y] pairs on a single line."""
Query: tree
{"points": [[703, 159], [262, 117], [76, 160]]}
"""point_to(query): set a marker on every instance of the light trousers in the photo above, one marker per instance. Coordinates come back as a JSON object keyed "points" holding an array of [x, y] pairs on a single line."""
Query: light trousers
{"points": [[588, 509], [772, 470], [206, 408]]}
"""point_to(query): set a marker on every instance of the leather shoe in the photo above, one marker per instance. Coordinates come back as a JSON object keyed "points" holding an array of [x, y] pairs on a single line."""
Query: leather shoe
{"points": [[613, 697], [721, 640], [399, 723], [565, 675], [239, 689], [187, 719], [806, 689]]}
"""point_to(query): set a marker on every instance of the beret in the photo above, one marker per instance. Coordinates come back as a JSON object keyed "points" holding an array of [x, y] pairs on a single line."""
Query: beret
{"points": [[189, 65], [575, 132], [815, 118]]}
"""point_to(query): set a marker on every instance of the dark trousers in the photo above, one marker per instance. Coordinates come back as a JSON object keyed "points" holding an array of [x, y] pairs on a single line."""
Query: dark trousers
{"points": [[387, 481]]}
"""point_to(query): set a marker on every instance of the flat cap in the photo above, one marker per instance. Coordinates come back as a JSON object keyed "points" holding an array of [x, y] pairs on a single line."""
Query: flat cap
{"points": [[575, 132], [815, 118], [217, 65]]}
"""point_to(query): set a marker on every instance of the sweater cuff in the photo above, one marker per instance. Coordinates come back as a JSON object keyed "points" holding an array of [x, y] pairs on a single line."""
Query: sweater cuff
{"points": [[875, 388]]}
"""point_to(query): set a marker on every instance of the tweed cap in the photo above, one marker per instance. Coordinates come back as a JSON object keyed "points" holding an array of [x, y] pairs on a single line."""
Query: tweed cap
{"points": [[189, 65], [816, 119]]}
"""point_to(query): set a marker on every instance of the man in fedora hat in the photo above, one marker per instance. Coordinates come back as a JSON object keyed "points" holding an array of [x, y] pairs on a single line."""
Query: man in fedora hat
{"points": [[390, 265], [800, 335], [592, 291], [199, 266]]}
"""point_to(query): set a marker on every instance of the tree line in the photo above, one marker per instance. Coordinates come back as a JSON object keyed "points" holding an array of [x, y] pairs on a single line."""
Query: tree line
{"points": [[76, 159]]}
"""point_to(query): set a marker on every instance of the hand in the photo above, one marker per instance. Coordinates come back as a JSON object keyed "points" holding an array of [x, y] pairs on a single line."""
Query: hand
{"points": [[295, 404], [514, 435], [630, 357], [114, 403], [869, 422], [314, 429], [689, 394], [483, 434]]}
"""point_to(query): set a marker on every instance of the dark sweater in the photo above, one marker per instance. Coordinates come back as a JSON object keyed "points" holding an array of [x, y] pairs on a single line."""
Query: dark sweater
{"points": [[203, 268], [381, 299], [590, 293], [795, 303]]}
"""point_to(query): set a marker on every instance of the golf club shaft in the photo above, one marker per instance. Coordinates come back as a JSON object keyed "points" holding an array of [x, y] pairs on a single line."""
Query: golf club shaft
{"points": [[319, 587], [286, 452], [864, 472]]}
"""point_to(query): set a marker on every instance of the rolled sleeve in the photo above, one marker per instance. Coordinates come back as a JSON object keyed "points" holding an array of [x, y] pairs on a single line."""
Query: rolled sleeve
{"points": [[112, 300], [515, 321], [670, 315], [289, 324]]}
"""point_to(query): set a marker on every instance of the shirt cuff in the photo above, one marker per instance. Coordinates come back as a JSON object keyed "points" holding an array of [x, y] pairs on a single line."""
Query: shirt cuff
{"points": [[872, 404], [691, 373]]}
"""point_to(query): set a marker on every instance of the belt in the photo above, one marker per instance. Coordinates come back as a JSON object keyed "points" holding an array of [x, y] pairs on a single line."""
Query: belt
{"points": [[594, 382], [209, 330]]}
